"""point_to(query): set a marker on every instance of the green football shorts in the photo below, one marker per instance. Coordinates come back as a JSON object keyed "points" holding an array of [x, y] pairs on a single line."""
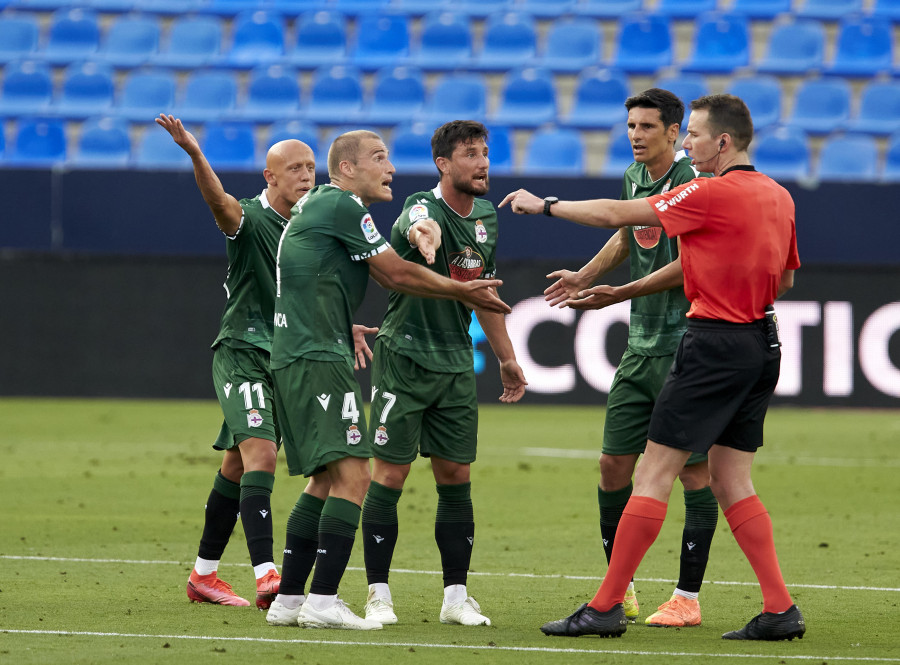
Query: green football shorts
{"points": [[417, 411], [244, 388], [635, 386], [322, 416]]}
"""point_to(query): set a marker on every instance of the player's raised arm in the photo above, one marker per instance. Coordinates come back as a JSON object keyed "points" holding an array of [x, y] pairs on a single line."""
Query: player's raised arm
{"points": [[602, 213], [425, 235], [225, 208]]}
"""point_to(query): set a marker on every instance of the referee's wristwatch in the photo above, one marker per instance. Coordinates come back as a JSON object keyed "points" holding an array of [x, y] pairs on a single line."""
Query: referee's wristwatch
{"points": [[549, 201]]}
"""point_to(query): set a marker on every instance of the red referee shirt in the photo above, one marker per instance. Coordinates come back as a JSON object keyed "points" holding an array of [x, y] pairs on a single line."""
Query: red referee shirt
{"points": [[737, 238]]}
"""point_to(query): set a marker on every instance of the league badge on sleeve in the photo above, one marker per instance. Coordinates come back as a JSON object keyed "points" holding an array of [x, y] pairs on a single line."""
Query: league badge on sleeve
{"points": [[369, 230], [481, 234], [417, 213], [353, 435]]}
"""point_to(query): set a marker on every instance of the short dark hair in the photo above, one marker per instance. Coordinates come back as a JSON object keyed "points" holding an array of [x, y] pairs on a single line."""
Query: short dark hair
{"points": [[671, 108], [346, 148], [451, 134], [727, 115]]}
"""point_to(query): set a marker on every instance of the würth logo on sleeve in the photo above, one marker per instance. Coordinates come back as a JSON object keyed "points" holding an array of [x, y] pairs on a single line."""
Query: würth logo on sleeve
{"points": [[466, 265], [664, 204]]}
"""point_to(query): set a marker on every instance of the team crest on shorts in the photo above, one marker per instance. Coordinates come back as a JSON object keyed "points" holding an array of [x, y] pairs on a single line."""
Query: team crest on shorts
{"points": [[381, 435], [254, 419], [481, 234], [353, 435]]}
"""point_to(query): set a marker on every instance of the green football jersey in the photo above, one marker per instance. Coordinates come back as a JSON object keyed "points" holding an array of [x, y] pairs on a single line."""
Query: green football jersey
{"points": [[435, 333], [658, 320], [322, 275], [250, 282]]}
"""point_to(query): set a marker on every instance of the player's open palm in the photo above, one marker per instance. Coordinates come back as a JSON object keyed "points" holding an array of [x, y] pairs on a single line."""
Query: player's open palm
{"points": [[426, 236], [513, 379], [180, 135], [566, 287]]}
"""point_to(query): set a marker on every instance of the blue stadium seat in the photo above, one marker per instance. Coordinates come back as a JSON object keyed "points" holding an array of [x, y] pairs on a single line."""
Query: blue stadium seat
{"points": [[294, 129], [257, 39], [113, 6], [18, 37], [103, 143], [879, 109], [643, 43], [619, 155], [398, 95], [478, 8], [782, 153], [445, 42], [87, 90], [231, 8], [177, 8], [543, 9], [157, 150], [864, 47], [207, 95], [763, 96], [510, 39], [356, 7], [27, 88], [419, 7], [146, 94], [598, 100], [684, 9], [794, 48], [39, 142], [761, 9], [721, 44], [821, 106], [382, 40], [273, 93], [607, 9], [527, 99], [500, 150], [687, 87], [456, 96], [410, 149], [336, 96], [571, 45], [321, 40], [230, 146], [891, 172], [889, 9], [74, 34], [193, 42], [130, 41], [851, 158], [42, 5], [829, 10], [555, 151]]}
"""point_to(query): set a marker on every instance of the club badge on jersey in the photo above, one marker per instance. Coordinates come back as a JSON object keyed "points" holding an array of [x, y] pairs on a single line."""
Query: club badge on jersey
{"points": [[481, 234]]}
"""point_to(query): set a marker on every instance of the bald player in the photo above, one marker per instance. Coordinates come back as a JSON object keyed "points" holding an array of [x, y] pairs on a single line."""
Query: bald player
{"points": [[249, 435]]}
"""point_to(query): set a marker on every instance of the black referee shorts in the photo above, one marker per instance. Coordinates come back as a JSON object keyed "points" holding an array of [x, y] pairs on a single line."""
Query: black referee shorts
{"points": [[718, 389]]}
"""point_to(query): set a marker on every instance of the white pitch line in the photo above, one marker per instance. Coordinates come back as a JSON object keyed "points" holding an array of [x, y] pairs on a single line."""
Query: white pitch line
{"points": [[410, 571], [474, 647], [762, 458]]}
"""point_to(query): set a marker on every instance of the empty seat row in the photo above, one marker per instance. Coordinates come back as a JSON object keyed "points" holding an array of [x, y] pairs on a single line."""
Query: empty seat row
{"points": [[644, 42], [104, 142], [337, 95], [680, 9]]}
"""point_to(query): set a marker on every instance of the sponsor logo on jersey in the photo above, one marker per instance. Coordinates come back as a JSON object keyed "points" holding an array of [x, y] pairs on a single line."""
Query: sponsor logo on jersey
{"points": [[377, 538], [254, 419], [665, 204], [368, 229], [381, 435], [280, 320], [647, 236], [417, 213], [466, 265], [481, 234], [633, 188], [353, 435], [228, 387], [323, 400]]}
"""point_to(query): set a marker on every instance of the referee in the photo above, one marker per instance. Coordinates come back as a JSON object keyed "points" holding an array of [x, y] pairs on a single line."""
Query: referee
{"points": [[738, 254]]}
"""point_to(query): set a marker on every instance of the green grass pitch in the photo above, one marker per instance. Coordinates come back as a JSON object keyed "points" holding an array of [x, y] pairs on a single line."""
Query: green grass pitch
{"points": [[102, 501]]}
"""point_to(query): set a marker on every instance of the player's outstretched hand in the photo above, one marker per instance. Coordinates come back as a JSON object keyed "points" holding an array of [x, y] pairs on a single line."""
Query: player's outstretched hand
{"points": [[514, 382], [523, 202], [482, 294], [596, 297], [426, 236], [180, 135], [567, 286], [361, 349]]}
